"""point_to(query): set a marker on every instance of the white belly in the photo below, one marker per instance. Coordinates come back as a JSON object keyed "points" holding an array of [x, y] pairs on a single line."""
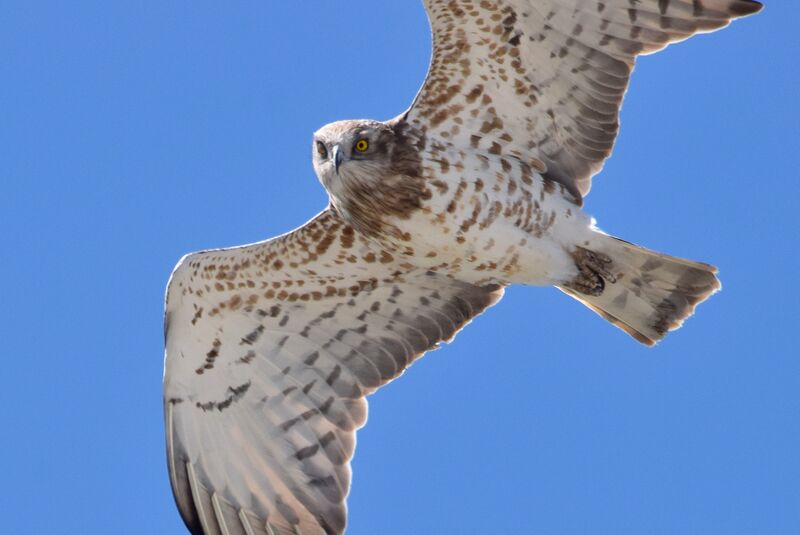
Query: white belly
{"points": [[486, 222]]}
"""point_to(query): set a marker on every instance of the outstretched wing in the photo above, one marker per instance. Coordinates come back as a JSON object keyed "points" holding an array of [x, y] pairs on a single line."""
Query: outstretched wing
{"points": [[546, 78], [270, 351]]}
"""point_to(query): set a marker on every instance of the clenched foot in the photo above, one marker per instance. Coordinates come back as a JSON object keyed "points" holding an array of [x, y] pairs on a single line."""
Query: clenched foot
{"points": [[592, 272]]}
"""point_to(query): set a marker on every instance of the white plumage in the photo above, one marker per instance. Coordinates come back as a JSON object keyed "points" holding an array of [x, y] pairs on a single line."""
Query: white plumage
{"points": [[271, 348]]}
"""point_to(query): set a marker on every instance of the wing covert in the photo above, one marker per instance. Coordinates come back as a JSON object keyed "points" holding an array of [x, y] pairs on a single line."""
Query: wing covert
{"points": [[270, 351], [546, 78]]}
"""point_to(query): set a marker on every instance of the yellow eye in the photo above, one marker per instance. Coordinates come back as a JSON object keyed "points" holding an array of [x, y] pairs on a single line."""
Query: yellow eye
{"points": [[321, 150], [362, 145]]}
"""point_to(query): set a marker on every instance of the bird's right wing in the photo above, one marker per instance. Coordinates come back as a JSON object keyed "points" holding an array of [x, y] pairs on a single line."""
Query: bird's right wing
{"points": [[270, 351]]}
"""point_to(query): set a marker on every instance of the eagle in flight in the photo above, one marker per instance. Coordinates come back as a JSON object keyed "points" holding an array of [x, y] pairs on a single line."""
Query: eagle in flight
{"points": [[272, 348]]}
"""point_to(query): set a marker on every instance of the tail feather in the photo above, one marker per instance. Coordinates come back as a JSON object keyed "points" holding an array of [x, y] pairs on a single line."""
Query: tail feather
{"points": [[653, 293]]}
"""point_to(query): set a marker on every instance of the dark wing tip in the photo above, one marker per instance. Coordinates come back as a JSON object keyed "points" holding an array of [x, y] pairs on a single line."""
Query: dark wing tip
{"points": [[182, 493], [743, 8]]}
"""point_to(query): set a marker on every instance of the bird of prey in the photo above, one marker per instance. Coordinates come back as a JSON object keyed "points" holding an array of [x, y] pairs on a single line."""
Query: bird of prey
{"points": [[271, 348]]}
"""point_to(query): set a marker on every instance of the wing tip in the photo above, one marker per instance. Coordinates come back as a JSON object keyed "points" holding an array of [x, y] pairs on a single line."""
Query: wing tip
{"points": [[744, 8]]}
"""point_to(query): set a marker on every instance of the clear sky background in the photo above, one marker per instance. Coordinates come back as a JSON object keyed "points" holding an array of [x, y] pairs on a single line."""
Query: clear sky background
{"points": [[134, 132]]}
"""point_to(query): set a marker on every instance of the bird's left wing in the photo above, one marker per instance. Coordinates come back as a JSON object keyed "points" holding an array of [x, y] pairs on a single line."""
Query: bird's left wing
{"points": [[270, 351], [544, 79]]}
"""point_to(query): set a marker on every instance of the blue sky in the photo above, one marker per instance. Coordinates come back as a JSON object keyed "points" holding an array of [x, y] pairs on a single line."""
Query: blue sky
{"points": [[134, 132]]}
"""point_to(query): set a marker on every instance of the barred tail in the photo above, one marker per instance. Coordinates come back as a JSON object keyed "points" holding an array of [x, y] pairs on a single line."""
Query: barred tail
{"points": [[653, 293]]}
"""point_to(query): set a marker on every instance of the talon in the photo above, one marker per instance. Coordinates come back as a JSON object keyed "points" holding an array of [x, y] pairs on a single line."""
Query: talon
{"points": [[593, 272]]}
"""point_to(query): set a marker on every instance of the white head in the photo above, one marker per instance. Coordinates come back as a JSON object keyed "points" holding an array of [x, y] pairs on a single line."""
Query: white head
{"points": [[370, 169], [351, 155]]}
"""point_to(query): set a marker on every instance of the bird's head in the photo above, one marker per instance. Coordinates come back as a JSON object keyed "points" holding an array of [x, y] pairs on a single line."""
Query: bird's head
{"points": [[353, 155], [372, 170]]}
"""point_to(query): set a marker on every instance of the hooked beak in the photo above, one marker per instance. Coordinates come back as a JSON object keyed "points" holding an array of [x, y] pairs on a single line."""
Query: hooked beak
{"points": [[338, 157]]}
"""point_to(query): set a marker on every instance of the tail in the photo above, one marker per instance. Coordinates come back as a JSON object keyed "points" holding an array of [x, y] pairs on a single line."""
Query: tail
{"points": [[653, 293]]}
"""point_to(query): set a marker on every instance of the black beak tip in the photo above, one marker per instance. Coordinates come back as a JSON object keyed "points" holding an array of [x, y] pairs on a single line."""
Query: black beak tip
{"points": [[338, 157]]}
